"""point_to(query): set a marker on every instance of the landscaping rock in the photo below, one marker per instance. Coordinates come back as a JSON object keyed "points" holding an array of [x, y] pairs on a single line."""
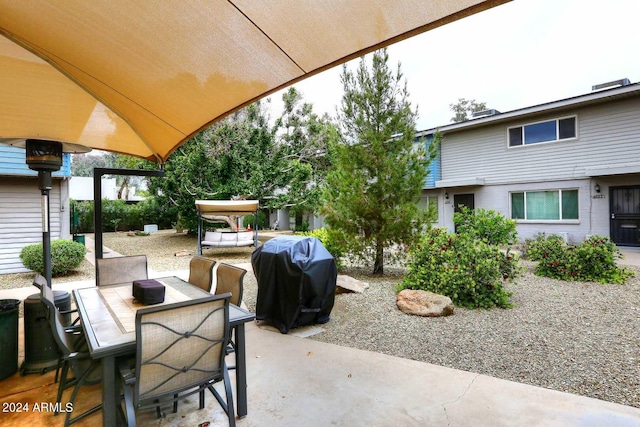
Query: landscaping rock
{"points": [[424, 303], [349, 284]]}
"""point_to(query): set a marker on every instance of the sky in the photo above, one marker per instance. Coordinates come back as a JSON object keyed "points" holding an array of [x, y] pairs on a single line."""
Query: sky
{"points": [[516, 55]]}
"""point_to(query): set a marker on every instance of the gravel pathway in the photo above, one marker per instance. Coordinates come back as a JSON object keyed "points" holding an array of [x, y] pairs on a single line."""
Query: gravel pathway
{"points": [[581, 338]]}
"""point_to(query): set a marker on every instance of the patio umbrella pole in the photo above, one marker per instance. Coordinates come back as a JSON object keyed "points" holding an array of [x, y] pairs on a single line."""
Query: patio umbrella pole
{"points": [[44, 182]]}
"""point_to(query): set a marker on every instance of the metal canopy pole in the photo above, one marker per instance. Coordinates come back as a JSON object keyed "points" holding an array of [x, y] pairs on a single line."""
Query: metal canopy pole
{"points": [[199, 247]]}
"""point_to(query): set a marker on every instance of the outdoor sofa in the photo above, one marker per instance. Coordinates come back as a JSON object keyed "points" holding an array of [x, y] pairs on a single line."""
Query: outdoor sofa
{"points": [[227, 239]]}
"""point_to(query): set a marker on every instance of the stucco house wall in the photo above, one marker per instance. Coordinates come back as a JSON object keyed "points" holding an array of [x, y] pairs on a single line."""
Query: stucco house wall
{"points": [[603, 157]]}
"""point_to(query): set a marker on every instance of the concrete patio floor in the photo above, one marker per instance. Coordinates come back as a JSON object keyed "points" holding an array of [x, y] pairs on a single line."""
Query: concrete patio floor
{"points": [[293, 381]]}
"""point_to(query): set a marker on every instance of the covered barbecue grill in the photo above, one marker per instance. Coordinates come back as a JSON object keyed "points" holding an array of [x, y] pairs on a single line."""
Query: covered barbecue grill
{"points": [[296, 282]]}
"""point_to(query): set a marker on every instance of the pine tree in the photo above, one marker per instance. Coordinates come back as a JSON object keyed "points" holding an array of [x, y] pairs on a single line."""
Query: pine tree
{"points": [[373, 190]]}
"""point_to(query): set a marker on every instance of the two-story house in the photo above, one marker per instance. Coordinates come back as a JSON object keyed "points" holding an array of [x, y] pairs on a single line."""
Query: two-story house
{"points": [[21, 206], [569, 167]]}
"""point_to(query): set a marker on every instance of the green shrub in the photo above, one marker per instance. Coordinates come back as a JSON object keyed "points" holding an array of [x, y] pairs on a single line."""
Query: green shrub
{"points": [[544, 246], [117, 214], [113, 213], [263, 223], [487, 225], [468, 270], [302, 228], [332, 240], [84, 211], [66, 256], [593, 260]]}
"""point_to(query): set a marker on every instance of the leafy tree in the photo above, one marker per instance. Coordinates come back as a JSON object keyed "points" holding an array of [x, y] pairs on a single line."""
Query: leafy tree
{"points": [[123, 161], [372, 192], [83, 164], [302, 143], [202, 168], [465, 108], [244, 157]]}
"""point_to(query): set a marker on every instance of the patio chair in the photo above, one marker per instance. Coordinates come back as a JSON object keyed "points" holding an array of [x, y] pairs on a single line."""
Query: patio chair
{"points": [[201, 272], [180, 350], [230, 279], [74, 354], [125, 269]]}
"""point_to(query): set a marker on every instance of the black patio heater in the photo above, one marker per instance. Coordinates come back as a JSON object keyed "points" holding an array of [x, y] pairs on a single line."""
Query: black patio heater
{"points": [[44, 157], [41, 350]]}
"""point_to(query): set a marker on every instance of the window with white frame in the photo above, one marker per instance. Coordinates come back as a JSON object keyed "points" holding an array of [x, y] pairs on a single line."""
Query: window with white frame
{"points": [[548, 205], [547, 131]]}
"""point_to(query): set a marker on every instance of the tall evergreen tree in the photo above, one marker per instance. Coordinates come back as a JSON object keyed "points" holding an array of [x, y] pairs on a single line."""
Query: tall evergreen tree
{"points": [[372, 192]]}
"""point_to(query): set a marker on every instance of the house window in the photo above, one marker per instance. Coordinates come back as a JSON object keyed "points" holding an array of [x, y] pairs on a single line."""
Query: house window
{"points": [[430, 203], [549, 131], [553, 205]]}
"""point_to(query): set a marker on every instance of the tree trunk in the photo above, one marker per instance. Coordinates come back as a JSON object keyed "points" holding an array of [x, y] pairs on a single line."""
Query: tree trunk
{"points": [[378, 266]]}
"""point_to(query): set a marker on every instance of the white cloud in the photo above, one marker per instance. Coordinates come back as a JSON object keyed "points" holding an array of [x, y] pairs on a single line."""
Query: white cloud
{"points": [[516, 55]]}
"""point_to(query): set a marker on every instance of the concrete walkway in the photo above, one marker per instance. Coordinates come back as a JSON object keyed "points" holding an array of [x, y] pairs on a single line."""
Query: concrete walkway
{"points": [[631, 256], [294, 381]]}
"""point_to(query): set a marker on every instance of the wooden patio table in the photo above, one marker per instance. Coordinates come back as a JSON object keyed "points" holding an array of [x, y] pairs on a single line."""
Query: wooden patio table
{"points": [[108, 316]]}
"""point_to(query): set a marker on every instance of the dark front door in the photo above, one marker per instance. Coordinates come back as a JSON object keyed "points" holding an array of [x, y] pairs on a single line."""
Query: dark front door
{"points": [[462, 200], [625, 215]]}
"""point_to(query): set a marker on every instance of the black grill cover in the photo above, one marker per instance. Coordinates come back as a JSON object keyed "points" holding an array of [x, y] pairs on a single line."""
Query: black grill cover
{"points": [[296, 281]]}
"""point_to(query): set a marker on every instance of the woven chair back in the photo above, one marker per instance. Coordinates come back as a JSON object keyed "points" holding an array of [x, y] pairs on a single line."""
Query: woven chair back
{"points": [[229, 278], [201, 272], [180, 346], [125, 269]]}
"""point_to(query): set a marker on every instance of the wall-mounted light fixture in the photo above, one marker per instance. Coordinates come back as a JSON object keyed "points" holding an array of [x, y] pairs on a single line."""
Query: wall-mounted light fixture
{"points": [[597, 188], [446, 195]]}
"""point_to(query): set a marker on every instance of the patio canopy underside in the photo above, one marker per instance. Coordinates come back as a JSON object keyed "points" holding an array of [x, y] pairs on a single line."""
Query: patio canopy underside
{"points": [[140, 78]]}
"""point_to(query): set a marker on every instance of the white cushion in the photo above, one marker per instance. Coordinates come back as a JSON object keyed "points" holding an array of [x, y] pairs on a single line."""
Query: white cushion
{"points": [[228, 238], [212, 236], [245, 235]]}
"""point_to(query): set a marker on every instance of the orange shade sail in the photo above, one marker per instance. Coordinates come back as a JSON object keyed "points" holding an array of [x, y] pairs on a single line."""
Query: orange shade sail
{"points": [[141, 77]]}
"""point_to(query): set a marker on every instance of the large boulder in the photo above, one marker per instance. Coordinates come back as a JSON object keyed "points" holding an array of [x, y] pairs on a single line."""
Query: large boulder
{"points": [[424, 303]]}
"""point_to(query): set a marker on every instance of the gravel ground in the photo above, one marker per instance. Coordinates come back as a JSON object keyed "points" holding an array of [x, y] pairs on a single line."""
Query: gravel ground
{"points": [[581, 338]]}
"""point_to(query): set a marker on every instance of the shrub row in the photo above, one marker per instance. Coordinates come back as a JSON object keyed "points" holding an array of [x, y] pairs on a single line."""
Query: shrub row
{"points": [[118, 215], [263, 221], [593, 260]]}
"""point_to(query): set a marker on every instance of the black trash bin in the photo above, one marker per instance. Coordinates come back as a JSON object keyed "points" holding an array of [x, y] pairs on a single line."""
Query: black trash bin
{"points": [[8, 337], [296, 282]]}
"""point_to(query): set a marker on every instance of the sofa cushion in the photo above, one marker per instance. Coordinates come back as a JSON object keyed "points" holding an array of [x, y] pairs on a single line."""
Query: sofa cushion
{"points": [[245, 238], [245, 235], [228, 238], [211, 237]]}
